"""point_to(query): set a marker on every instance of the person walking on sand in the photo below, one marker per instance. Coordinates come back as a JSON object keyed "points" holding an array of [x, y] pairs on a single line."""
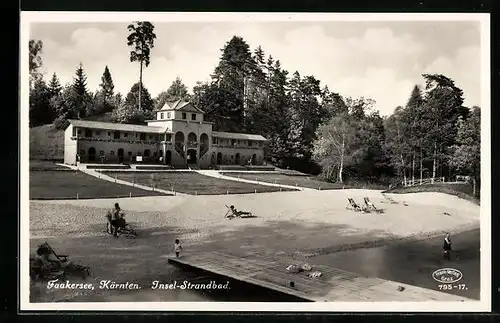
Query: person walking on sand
{"points": [[177, 248], [447, 247]]}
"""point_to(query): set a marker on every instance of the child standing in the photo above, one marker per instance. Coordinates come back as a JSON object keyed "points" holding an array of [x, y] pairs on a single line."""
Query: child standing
{"points": [[177, 248]]}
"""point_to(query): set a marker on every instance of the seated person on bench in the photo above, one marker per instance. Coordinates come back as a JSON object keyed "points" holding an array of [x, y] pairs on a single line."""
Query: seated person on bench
{"points": [[238, 213]]}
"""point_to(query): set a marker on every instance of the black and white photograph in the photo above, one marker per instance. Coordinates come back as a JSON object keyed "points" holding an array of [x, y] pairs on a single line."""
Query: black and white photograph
{"points": [[243, 161]]}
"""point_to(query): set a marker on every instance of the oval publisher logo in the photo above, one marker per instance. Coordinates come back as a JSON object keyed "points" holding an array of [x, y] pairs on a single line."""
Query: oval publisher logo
{"points": [[447, 275]]}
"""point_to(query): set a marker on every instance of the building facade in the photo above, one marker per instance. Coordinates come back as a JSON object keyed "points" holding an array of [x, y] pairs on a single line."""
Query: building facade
{"points": [[179, 137]]}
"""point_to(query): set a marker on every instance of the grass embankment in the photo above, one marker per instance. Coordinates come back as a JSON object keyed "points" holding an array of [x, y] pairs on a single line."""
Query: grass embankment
{"points": [[51, 181], [463, 191]]}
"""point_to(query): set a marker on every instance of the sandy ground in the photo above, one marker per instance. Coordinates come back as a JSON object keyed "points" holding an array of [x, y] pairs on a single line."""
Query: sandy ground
{"points": [[312, 225]]}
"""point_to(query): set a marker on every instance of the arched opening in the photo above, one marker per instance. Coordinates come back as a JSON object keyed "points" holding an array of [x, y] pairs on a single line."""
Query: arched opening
{"points": [[191, 156], [237, 159], [192, 138], [179, 137], [92, 154], [254, 159], [204, 139], [179, 143], [168, 157], [212, 159], [219, 158], [120, 154]]}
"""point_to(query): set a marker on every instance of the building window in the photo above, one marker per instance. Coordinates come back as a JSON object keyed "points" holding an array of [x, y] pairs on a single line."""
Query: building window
{"points": [[161, 115], [116, 135], [233, 142], [214, 141], [184, 115], [130, 154], [97, 133], [101, 153], [109, 133], [151, 137], [193, 116], [168, 115], [74, 132], [88, 133], [168, 137], [79, 132], [249, 143], [125, 135], [112, 152], [139, 153], [142, 136]]}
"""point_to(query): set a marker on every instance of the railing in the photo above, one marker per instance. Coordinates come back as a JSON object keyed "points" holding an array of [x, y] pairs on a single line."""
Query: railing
{"points": [[203, 149], [236, 146], [179, 148], [192, 144], [130, 141], [424, 181]]}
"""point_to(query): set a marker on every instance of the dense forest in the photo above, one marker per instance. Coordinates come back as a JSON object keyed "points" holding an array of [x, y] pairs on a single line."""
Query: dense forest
{"points": [[310, 127]]}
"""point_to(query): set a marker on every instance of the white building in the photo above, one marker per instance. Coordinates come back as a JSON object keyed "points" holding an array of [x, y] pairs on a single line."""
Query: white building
{"points": [[179, 137]]}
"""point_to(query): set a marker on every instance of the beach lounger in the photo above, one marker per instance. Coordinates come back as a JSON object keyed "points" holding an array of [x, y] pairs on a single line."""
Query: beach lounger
{"points": [[353, 205], [61, 266], [233, 213], [370, 205]]}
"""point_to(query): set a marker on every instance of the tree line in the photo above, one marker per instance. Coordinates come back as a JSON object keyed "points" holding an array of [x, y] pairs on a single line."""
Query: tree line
{"points": [[309, 127]]}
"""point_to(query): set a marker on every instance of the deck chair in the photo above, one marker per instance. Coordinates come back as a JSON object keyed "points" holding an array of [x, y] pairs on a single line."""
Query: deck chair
{"points": [[62, 266], [370, 205], [353, 205], [61, 258], [230, 214]]}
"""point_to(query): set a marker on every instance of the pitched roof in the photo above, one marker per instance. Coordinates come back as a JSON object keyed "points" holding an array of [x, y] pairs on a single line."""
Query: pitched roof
{"points": [[180, 105], [115, 126], [238, 136]]}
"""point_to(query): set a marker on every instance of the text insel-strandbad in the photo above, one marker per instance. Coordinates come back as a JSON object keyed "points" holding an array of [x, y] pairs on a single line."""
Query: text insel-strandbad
{"points": [[156, 284]]}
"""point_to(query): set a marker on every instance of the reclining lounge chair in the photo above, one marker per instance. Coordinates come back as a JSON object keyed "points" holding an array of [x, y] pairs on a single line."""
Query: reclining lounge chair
{"points": [[371, 206], [353, 205], [54, 265]]}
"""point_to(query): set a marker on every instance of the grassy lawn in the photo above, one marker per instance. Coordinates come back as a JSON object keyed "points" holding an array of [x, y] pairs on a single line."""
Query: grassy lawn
{"points": [[300, 181], [67, 184], [192, 183], [460, 190], [46, 165]]}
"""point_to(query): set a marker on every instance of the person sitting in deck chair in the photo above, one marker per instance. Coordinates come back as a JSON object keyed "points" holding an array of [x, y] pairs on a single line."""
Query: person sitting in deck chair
{"points": [[49, 264], [233, 212], [370, 205], [353, 205]]}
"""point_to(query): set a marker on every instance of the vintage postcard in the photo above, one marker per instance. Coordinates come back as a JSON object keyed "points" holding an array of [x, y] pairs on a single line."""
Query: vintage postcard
{"points": [[244, 161]]}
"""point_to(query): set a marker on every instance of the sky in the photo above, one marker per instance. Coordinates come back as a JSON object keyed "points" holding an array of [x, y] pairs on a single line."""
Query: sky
{"points": [[380, 60]]}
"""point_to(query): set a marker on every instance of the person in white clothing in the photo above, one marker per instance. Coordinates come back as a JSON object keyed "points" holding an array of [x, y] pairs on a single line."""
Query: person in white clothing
{"points": [[177, 248]]}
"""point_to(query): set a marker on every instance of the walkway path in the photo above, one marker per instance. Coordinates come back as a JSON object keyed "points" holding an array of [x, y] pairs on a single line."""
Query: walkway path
{"points": [[217, 174]]}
